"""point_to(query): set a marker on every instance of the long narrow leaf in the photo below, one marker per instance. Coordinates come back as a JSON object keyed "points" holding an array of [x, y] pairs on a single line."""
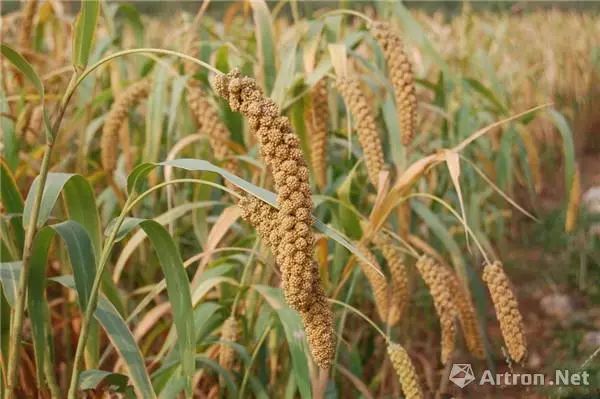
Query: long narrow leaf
{"points": [[85, 27], [122, 339]]}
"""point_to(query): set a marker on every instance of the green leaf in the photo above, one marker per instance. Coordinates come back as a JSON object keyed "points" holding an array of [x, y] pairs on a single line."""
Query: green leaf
{"points": [[390, 118], [79, 198], [487, 93], [9, 277], [22, 65], [80, 204], [10, 140], [12, 201], [170, 385], [54, 185], [82, 257], [36, 300], [294, 333], [568, 147], [122, 339], [131, 14], [85, 27], [285, 74], [155, 115], [265, 41], [97, 379], [178, 290], [135, 178]]}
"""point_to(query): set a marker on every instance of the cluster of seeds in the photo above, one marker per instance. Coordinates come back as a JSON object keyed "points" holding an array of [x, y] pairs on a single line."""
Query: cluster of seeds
{"points": [[229, 333], [466, 315], [263, 217], [399, 292], [366, 128], [109, 142], [435, 279], [280, 148], [209, 122], [507, 310], [317, 116], [378, 282], [405, 371], [401, 75]]}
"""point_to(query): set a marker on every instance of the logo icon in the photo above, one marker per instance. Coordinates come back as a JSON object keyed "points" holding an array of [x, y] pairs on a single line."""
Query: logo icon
{"points": [[461, 375]]}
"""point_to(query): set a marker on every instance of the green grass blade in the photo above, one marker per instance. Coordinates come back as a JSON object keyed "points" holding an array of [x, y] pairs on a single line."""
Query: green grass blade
{"points": [[292, 325], [12, 201], [80, 204], [155, 116], [122, 339], [9, 278], [85, 27], [25, 67], [54, 185], [37, 303], [265, 41], [568, 147], [81, 254], [178, 290], [96, 379]]}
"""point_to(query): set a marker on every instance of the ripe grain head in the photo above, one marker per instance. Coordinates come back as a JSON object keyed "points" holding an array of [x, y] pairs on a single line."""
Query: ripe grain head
{"points": [[405, 371], [434, 278], [351, 91], [401, 75], [507, 310]]}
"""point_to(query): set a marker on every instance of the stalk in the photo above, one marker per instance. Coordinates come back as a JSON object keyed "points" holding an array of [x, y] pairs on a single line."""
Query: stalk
{"points": [[19, 310], [91, 306]]}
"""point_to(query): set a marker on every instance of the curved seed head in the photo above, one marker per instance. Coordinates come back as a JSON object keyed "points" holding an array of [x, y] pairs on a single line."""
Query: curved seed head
{"points": [[507, 310]]}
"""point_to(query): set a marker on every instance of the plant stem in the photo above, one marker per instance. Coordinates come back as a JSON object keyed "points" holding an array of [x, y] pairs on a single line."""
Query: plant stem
{"points": [[93, 301], [244, 274], [19, 309]]}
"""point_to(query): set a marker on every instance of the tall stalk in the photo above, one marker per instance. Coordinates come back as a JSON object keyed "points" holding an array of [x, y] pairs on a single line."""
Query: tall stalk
{"points": [[19, 309], [93, 301]]}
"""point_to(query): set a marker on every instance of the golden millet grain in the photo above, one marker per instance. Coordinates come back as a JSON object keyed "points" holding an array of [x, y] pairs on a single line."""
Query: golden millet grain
{"points": [[291, 237], [109, 142], [466, 315], [320, 334], [405, 371], [366, 128], [317, 319], [27, 16], [280, 148], [399, 293], [229, 332], [377, 281], [210, 123], [401, 75], [317, 116], [507, 310], [263, 217], [435, 279]]}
